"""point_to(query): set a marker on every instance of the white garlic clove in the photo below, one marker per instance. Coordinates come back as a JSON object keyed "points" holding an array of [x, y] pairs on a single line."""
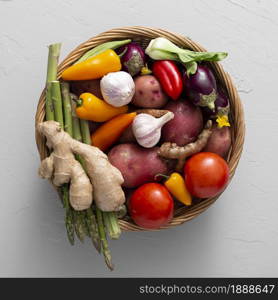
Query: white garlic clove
{"points": [[117, 88], [147, 129]]}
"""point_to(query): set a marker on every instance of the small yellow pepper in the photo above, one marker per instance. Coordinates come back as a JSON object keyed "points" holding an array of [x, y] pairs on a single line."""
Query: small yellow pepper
{"points": [[90, 107], [175, 184], [108, 133], [94, 67]]}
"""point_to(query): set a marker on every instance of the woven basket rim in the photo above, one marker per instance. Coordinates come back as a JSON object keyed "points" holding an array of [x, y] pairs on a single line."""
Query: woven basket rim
{"points": [[182, 214]]}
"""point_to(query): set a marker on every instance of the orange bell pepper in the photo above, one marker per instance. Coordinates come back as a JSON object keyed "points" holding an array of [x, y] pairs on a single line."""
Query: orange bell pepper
{"points": [[94, 67], [90, 107], [107, 134]]}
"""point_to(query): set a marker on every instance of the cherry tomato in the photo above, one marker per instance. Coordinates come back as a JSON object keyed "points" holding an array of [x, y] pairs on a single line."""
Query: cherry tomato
{"points": [[206, 174], [151, 206]]}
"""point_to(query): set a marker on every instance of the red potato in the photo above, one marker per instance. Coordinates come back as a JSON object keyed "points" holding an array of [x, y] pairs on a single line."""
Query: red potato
{"points": [[219, 141], [138, 165], [86, 86], [186, 125], [148, 92]]}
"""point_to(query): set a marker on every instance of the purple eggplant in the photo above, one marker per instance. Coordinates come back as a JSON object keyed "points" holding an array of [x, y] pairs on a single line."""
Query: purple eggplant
{"points": [[200, 87], [222, 106], [133, 58]]}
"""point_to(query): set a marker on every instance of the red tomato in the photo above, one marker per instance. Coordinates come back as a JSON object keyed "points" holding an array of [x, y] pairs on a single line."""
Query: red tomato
{"points": [[151, 206], [206, 174]]}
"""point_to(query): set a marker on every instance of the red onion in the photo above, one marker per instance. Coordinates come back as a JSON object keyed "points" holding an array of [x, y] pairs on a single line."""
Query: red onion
{"points": [[133, 58]]}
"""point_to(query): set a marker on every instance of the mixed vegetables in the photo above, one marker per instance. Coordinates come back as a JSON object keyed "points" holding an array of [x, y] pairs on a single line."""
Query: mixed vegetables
{"points": [[159, 133]]}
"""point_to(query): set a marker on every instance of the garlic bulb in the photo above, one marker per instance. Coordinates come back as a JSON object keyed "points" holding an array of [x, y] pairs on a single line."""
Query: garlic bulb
{"points": [[117, 88], [147, 129]]}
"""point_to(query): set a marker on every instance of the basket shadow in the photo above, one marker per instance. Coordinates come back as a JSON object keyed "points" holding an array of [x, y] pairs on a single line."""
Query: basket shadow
{"points": [[179, 251]]}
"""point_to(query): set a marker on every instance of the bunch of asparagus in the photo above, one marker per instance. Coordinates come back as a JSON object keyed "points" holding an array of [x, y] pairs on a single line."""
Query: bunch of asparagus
{"points": [[91, 222]]}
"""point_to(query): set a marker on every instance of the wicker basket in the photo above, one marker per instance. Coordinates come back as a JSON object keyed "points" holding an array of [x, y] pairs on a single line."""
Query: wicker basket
{"points": [[143, 35]]}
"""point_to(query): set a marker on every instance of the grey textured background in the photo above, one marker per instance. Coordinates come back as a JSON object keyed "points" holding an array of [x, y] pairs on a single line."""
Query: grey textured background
{"points": [[238, 236]]}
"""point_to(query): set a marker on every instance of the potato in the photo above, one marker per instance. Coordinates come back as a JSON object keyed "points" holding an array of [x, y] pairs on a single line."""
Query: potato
{"points": [[86, 86], [148, 92], [137, 164], [219, 141], [186, 125]]}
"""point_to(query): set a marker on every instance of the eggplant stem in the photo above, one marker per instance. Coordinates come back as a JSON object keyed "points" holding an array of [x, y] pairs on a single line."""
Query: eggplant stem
{"points": [[123, 53]]}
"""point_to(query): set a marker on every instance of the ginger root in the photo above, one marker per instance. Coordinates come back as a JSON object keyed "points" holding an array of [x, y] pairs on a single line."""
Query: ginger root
{"points": [[157, 113], [105, 180], [173, 151]]}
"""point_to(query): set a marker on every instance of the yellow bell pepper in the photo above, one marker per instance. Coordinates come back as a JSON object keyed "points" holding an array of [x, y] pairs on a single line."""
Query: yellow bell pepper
{"points": [[175, 184], [94, 67], [90, 107]]}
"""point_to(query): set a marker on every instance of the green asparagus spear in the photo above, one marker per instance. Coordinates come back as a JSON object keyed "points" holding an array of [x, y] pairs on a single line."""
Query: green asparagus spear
{"points": [[67, 107], [104, 243], [53, 57]]}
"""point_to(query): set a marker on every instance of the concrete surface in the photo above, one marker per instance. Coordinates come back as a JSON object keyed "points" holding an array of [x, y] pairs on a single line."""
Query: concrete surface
{"points": [[238, 236]]}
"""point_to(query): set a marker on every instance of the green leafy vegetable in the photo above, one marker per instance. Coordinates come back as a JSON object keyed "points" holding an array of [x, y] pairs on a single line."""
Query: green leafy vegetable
{"points": [[161, 48]]}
